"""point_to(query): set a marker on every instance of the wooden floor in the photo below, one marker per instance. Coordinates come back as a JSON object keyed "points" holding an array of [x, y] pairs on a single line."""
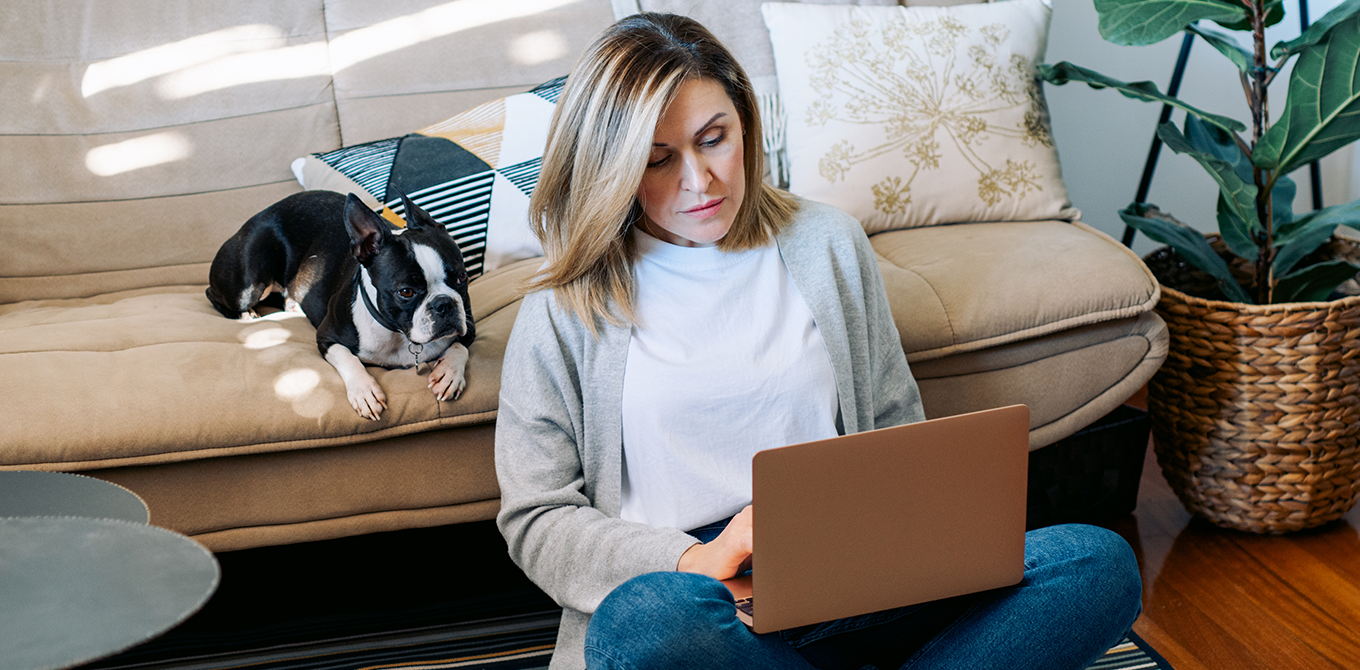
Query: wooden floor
{"points": [[1220, 599]]}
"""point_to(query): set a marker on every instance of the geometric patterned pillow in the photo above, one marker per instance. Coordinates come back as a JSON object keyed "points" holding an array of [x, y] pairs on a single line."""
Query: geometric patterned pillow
{"points": [[473, 173]]}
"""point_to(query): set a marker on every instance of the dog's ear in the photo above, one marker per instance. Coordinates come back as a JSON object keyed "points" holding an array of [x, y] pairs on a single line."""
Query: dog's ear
{"points": [[367, 230], [416, 217]]}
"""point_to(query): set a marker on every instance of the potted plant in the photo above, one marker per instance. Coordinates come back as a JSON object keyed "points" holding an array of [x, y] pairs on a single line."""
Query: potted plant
{"points": [[1257, 409]]}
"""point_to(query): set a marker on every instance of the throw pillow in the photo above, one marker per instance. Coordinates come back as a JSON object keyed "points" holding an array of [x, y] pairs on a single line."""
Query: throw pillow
{"points": [[473, 173], [917, 116]]}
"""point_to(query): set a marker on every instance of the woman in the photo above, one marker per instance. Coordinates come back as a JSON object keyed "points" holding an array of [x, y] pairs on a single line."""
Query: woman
{"points": [[687, 316]]}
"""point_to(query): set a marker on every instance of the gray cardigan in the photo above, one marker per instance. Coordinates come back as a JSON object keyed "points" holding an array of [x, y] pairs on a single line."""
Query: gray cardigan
{"points": [[559, 430]]}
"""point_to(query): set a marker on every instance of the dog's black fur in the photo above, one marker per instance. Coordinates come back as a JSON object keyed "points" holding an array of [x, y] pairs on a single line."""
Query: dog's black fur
{"points": [[317, 247]]}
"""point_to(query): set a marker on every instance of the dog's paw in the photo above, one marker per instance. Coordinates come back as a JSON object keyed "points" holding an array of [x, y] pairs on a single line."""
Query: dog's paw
{"points": [[447, 380], [366, 397]]}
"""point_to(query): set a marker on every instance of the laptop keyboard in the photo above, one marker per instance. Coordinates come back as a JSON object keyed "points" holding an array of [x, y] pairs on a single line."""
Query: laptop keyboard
{"points": [[746, 605]]}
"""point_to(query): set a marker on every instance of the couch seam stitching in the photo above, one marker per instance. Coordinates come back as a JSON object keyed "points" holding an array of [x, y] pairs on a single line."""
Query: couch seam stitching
{"points": [[169, 457], [146, 197], [330, 69], [1131, 336], [171, 125]]}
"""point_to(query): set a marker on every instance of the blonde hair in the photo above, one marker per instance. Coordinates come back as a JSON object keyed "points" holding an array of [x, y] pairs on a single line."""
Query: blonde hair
{"points": [[598, 146]]}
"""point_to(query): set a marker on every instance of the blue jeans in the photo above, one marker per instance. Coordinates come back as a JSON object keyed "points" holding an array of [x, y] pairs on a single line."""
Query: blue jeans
{"points": [[1080, 595]]}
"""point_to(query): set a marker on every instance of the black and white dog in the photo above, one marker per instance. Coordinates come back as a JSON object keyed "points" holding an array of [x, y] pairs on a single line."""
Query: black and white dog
{"points": [[377, 294]]}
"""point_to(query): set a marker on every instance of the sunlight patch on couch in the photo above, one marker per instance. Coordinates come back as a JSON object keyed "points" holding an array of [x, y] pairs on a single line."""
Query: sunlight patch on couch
{"points": [[137, 153]]}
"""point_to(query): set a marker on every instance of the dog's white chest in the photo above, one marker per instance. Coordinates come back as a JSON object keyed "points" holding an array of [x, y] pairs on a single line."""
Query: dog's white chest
{"points": [[382, 347], [386, 349]]}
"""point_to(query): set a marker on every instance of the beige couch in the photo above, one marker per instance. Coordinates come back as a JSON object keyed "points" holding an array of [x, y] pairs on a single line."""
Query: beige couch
{"points": [[138, 135]]}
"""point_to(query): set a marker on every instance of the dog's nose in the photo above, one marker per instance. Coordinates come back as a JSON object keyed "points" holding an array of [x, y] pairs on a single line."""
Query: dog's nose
{"points": [[442, 305]]}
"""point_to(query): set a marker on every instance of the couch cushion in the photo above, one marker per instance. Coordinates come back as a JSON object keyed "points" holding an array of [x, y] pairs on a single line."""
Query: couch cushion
{"points": [[397, 62], [424, 479], [145, 148], [961, 288], [1068, 379], [919, 116], [157, 375]]}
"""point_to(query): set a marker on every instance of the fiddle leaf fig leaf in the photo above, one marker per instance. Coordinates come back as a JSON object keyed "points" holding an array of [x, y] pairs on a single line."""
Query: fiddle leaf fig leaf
{"points": [[1322, 113], [1274, 12], [1302, 237], [1142, 22], [1214, 141], [1314, 283], [1317, 31], [1064, 72], [1227, 45], [1188, 242], [1282, 203], [1347, 213], [1239, 193], [1220, 144], [1304, 241], [1235, 232]]}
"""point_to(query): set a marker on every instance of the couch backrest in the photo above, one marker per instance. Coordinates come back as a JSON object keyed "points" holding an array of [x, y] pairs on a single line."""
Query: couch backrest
{"points": [[138, 135]]}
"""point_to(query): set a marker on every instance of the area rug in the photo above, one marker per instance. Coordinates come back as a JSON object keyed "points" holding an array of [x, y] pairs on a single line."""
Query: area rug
{"points": [[512, 643], [515, 643], [417, 600]]}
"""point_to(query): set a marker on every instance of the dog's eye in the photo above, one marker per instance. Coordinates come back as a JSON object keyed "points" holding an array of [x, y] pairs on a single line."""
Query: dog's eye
{"points": [[405, 292]]}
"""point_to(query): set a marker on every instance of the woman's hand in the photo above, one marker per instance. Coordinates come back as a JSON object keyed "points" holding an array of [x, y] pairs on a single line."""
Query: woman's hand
{"points": [[728, 555]]}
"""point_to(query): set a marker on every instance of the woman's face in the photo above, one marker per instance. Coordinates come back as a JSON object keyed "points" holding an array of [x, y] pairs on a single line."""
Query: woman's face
{"points": [[695, 178]]}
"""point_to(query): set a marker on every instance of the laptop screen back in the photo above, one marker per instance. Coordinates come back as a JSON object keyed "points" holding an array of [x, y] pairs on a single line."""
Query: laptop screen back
{"points": [[888, 518]]}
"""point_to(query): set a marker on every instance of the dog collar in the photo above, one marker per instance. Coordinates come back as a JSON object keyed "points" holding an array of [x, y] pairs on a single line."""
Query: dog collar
{"points": [[372, 310]]}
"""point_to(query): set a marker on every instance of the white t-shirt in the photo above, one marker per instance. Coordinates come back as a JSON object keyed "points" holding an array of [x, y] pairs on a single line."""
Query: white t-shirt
{"points": [[725, 361]]}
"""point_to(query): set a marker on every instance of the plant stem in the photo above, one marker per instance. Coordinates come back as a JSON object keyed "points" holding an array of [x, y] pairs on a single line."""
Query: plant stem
{"points": [[1250, 95], [1279, 64], [1260, 121]]}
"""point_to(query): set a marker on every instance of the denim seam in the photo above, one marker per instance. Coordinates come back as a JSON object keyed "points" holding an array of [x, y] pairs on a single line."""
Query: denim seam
{"points": [[614, 662], [846, 626]]}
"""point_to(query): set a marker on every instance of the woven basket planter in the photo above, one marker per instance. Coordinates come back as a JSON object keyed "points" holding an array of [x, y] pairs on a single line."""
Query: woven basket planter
{"points": [[1256, 412]]}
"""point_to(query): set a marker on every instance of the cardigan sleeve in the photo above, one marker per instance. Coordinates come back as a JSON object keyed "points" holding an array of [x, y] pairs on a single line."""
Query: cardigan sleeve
{"points": [[546, 439], [896, 396]]}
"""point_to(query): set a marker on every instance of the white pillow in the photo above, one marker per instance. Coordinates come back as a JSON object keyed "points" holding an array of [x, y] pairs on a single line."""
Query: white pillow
{"points": [[918, 116]]}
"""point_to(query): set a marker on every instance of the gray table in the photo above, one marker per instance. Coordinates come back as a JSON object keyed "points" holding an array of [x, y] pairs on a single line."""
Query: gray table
{"points": [[24, 493], [74, 589]]}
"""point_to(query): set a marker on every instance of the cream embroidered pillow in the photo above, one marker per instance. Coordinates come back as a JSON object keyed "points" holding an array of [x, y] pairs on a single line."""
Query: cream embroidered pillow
{"points": [[918, 116]]}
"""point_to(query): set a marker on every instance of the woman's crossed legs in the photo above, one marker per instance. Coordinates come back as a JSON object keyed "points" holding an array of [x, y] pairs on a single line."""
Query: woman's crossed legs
{"points": [[1080, 594]]}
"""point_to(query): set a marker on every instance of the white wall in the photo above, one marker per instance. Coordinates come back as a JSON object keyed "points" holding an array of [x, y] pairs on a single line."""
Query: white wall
{"points": [[1103, 137]]}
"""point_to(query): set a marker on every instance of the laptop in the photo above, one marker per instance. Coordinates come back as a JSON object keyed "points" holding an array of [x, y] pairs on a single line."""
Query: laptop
{"points": [[886, 518]]}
